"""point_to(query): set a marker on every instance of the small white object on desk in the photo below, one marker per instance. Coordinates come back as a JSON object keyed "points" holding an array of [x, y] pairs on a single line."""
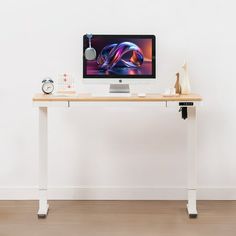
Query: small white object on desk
{"points": [[142, 95], [170, 93], [65, 94]]}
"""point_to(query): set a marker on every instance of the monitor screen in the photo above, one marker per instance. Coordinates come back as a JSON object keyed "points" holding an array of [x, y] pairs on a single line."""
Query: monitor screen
{"points": [[120, 56]]}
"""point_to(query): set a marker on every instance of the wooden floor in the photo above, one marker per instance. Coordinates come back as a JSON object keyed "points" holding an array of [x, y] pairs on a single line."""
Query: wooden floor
{"points": [[123, 218]]}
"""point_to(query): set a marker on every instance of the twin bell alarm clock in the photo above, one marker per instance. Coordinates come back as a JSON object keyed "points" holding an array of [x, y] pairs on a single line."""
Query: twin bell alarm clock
{"points": [[47, 86]]}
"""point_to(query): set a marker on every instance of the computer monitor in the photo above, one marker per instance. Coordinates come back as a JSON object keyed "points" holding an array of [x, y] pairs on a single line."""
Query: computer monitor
{"points": [[119, 58]]}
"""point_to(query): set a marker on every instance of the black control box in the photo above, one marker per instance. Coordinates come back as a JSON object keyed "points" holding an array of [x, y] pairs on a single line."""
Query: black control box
{"points": [[185, 104]]}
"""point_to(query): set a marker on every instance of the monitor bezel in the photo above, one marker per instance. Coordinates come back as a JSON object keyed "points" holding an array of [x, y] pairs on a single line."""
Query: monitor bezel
{"points": [[135, 36]]}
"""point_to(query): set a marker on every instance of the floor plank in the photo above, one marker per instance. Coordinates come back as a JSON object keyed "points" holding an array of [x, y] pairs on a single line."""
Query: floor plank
{"points": [[126, 218]]}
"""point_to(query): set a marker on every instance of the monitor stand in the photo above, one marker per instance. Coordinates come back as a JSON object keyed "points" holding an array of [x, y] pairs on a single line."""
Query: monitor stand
{"points": [[119, 88]]}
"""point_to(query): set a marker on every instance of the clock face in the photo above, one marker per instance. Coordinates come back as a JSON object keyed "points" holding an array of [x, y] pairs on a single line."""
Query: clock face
{"points": [[48, 87]]}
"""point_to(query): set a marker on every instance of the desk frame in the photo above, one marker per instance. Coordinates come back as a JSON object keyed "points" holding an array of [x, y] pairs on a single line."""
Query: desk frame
{"points": [[45, 101]]}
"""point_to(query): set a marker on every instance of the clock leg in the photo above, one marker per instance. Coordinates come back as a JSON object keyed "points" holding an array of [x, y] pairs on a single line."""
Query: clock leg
{"points": [[43, 162]]}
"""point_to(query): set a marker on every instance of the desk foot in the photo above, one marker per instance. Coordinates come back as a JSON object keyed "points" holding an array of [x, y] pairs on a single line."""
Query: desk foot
{"points": [[43, 211], [192, 211], [192, 203]]}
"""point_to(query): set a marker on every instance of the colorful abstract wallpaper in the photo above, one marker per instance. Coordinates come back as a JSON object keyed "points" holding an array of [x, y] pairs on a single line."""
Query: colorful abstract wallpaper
{"points": [[120, 56]]}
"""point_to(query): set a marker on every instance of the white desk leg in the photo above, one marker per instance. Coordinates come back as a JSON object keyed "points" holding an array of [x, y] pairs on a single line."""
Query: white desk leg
{"points": [[192, 170], [43, 153]]}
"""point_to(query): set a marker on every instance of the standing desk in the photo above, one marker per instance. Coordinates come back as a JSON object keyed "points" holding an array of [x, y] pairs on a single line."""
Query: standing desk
{"points": [[183, 103]]}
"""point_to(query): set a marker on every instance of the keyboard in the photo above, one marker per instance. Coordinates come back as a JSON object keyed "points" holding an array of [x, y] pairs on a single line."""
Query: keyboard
{"points": [[111, 94]]}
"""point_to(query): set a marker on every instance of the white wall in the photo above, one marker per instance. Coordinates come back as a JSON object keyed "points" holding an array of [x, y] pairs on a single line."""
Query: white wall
{"points": [[117, 151]]}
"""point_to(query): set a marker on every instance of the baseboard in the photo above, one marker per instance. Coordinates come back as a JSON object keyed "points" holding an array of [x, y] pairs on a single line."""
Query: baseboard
{"points": [[117, 193]]}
